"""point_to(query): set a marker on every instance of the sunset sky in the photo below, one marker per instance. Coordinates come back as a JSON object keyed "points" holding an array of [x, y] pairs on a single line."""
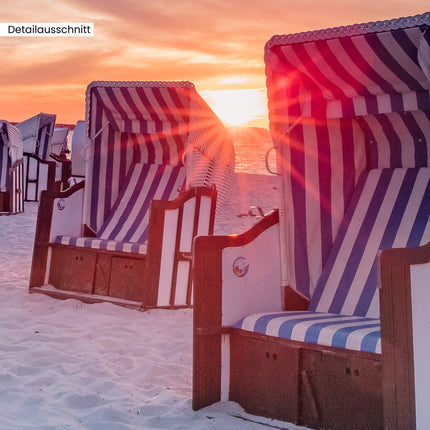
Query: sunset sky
{"points": [[216, 44]]}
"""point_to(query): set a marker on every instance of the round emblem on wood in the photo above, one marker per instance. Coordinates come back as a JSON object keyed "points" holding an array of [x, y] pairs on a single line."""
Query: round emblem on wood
{"points": [[240, 267]]}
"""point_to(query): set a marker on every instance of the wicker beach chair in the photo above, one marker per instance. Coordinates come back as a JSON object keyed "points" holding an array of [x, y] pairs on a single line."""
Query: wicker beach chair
{"points": [[295, 332], [79, 143], [41, 170], [59, 142], [59, 151], [159, 163], [11, 170]]}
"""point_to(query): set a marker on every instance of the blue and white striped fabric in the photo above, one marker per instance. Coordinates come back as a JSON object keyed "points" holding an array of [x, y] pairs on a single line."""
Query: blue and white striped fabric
{"points": [[156, 148], [366, 74], [10, 151], [342, 331], [126, 227], [151, 122], [131, 124], [389, 208], [4, 158], [37, 133], [397, 139], [129, 218], [357, 98], [109, 245]]}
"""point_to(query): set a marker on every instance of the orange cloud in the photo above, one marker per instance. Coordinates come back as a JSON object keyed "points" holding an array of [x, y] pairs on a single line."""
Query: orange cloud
{"points": [[216, 44]]}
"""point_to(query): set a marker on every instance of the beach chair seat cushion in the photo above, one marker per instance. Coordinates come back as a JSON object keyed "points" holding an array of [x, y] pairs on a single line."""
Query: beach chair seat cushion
{"points": [[126, 226], [390, 208], [343, 331], [96, 243]]}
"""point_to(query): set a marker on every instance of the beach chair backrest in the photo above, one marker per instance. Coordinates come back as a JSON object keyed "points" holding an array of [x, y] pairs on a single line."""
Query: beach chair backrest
{"points": [[390, 208], [59, 141], [149, 122], [129, 217]]}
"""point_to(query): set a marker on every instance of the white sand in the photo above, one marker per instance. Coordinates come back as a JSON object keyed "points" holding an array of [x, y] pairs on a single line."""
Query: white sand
{"points": [[247, 191], [68, 365]]}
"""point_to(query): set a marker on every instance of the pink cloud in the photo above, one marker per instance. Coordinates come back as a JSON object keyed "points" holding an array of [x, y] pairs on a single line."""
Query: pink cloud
{"points": [[204, 42]]}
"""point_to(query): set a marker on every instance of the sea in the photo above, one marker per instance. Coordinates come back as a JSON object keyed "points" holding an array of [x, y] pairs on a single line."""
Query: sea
{"points": [[251, 145]]}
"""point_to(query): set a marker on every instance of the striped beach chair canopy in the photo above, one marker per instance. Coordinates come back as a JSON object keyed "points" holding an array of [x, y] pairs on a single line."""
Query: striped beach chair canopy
{"points": [[11, 150], [158, 123], [59, 141], [37, 133], [343, 101]]}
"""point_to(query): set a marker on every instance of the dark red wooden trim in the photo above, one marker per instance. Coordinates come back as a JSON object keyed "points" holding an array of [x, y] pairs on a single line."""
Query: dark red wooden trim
{"points": [[397, 334], [207, 275], [18, 186], [294, 301], [43, 229], [57, 194], [154, 248], [213, 211], [89, 232], [15, 189], [176, 255], [152, 259], [114, 253], [195, 230], [342, 352], [66, 173], [308, 384], [183, 197], [50, 184], [155, 234]]}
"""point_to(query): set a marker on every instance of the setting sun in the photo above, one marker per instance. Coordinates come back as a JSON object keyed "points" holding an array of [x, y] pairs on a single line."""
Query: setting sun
{"points": [[238, 107]]}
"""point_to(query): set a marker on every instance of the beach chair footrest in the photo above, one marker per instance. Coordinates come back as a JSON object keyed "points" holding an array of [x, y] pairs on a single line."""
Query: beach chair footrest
{"points": [[98, 272], [319, 387]]}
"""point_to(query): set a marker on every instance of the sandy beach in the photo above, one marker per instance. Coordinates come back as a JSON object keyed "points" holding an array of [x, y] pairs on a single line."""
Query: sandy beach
{"points": [[69, 365]]}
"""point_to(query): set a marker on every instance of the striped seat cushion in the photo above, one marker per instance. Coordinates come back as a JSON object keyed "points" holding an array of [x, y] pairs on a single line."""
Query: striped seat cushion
{"points": [[343, 331], [389, 208], [126, 226], [96, 243]]}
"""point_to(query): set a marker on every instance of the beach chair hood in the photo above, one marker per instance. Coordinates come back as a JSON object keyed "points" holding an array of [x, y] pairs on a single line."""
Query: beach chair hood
{"points": [[165, 123], [37, 133], [341, 101], [12, 137]]}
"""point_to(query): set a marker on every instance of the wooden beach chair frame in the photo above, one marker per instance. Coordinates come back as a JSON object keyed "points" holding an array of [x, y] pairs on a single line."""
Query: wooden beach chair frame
{"points": [[11, 195], [404, 407], [127, 279], [134, 248], [40, 168], [320, 386]]}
